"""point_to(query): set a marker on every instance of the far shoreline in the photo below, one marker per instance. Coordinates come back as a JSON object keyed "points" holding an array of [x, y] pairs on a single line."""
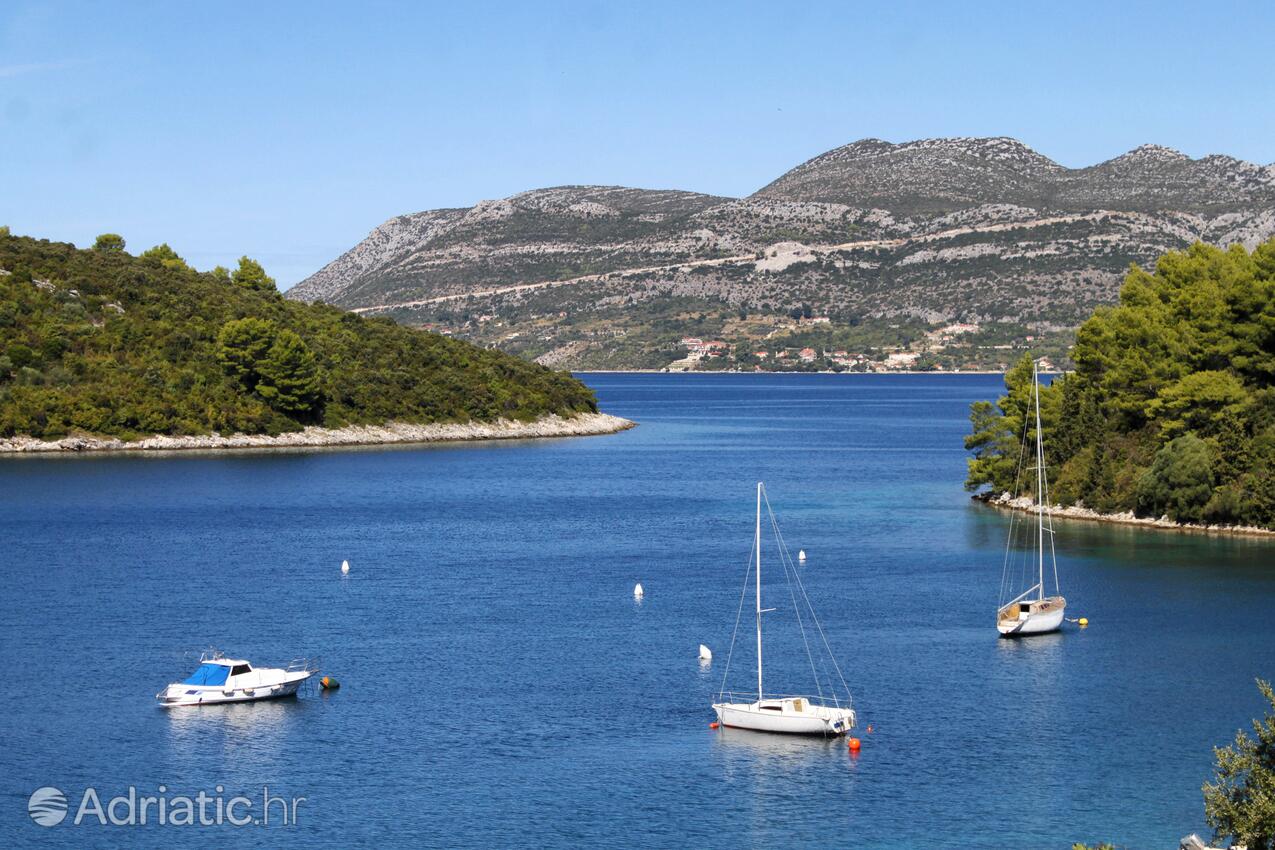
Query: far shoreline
{"points": [[393, 433], [1026, 505]]}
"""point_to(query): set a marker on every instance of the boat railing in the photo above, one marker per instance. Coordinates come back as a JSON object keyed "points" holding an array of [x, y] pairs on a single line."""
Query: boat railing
{"points": [[304, 665], [751, 697]]}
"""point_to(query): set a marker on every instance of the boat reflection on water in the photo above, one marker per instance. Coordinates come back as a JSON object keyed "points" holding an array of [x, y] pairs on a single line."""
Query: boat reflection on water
{"points": [[1041, 648], [1034, 665], [776, 753], [253, 731], [257, 718]]}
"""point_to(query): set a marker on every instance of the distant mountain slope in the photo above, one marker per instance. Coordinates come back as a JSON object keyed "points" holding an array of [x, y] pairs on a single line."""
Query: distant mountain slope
{"points": [[942, 175], [927, 176], [539, 234], [933, 230]]}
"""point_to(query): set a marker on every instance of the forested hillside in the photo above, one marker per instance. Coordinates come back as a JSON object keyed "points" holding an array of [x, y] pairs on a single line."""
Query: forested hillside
{"points": [[101, 342], [1171, 410]]}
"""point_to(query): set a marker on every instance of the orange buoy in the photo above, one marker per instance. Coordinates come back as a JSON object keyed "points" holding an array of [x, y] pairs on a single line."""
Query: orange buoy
{"points": [[853, 744], [713, 725]]}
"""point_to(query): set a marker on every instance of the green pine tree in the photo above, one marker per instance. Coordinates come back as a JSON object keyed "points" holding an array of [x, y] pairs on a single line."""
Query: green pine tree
{"points": [[289, 377], [165, 256], [251, 275], [1240, 802], [243, 346], [1180, 481], [111, 243]]}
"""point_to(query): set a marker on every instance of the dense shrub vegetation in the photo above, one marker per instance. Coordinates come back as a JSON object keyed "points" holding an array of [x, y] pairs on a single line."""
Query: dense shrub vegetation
{"points": [[1240, 802], [101, 342], [1171, 409]]}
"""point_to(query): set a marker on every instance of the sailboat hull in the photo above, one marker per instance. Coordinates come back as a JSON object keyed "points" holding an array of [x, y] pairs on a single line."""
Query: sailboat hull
{"points": [[788, 716], [1041, 618]]}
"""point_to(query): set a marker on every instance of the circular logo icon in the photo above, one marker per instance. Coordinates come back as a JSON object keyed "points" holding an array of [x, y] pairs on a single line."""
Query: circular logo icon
{"points": [[47, 806]]}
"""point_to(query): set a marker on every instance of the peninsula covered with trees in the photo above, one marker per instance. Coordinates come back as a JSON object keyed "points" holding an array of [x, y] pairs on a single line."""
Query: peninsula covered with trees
{"points": [[1171, 409], [100, 342]]}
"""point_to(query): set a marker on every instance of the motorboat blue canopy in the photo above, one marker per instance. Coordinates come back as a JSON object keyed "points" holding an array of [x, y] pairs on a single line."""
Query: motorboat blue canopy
{"points": [[209, 674]]}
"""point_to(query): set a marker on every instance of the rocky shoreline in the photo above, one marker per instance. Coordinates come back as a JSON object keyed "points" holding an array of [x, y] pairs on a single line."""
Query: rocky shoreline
{"points": [[1023, 503], [580, 425]]}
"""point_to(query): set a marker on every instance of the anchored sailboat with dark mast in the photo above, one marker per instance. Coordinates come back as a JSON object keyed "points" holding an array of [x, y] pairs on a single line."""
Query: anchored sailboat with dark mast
{"points": [[1031, 612]]}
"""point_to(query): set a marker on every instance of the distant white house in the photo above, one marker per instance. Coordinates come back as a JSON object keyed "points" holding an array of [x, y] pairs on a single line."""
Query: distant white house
{"points": [[697, 349], [947, 333], [901, 359]]}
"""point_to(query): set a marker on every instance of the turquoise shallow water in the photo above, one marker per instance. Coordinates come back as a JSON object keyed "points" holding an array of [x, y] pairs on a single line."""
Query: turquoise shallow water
{"points": [[502, 688]]}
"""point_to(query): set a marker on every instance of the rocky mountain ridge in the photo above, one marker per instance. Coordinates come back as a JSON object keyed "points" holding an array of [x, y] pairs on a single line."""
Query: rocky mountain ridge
{"points": [[933, 230]]}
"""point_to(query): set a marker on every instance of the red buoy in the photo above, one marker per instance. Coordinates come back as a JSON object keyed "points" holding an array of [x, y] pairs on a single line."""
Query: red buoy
{"points": [[713, 725], [853, 744]]}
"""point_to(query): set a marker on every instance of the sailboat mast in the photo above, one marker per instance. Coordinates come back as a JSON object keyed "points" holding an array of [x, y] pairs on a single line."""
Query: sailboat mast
{"points": [[1040, 485], [757, 547]]}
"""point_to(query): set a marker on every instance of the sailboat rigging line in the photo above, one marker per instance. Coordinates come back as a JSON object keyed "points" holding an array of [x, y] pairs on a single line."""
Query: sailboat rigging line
{"points": [[827, 647], [1040, 485], [1049, 517], [738, 615], [1054, 557], [789, 573], [1018, 475], [813, 616]]}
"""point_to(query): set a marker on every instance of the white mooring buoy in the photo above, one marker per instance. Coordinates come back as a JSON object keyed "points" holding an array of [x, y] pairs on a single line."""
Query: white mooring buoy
{"points": [[801, 554], [705, 654], [638, 593], [345, 567]]}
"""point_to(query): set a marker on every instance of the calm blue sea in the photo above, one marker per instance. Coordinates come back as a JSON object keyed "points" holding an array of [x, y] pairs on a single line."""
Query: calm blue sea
{"points": [[501, 687]]}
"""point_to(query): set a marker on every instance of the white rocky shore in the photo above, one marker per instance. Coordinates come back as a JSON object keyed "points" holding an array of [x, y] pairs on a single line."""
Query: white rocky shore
{"points": [[1024, 503], [580, 425]]}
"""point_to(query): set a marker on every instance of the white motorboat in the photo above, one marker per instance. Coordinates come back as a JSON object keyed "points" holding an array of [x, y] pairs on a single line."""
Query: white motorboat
{"points": [[1031, 612], [221, 680], [819, 714]]}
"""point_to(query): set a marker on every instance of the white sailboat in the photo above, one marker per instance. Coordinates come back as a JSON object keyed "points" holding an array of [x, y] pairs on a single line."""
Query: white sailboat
{"points": [[1031, 612], [793, 714]]}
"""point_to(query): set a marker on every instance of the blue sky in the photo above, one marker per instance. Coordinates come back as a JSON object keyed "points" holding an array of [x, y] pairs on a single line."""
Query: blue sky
{"points": [[288, 131]]}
